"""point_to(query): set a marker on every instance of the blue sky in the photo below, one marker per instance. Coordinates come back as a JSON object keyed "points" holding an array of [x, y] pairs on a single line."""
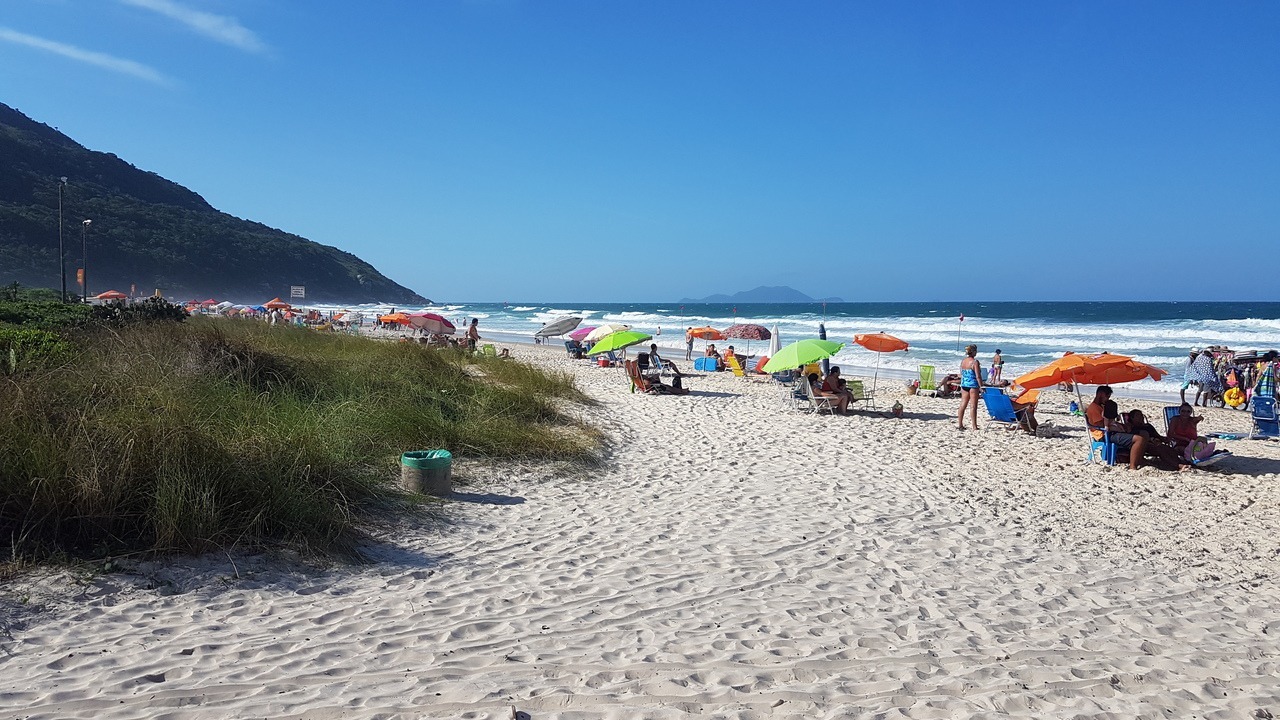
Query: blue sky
{"points": [[598, 151]]}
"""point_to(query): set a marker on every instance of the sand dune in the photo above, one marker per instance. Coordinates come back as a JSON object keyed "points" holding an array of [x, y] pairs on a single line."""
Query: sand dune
{"points": [[735, 559]]}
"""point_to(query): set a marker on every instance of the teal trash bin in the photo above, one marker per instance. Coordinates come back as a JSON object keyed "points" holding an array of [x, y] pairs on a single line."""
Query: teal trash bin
{"points": [[427, 471]]}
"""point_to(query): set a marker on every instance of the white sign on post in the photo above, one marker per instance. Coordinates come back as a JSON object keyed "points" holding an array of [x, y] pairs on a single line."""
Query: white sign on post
{"points": [[298, 291]]}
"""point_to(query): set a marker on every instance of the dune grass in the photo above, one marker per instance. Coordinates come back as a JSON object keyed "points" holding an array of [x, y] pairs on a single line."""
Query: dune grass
{"points": [[220, 433]]}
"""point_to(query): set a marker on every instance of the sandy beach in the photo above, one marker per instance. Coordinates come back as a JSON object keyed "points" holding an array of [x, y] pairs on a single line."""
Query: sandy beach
{"points": [[732, 558]]}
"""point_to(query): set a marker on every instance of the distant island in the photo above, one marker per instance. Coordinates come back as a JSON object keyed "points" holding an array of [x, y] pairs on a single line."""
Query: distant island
{"points": [[149, 233], [764, 294]]}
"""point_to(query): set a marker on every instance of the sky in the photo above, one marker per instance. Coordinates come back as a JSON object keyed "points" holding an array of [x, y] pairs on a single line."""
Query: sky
{"points": [[595, 151]]}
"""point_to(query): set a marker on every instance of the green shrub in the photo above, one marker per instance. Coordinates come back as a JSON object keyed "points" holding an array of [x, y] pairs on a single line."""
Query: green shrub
{"points": [[27, 350], [216, 433]]}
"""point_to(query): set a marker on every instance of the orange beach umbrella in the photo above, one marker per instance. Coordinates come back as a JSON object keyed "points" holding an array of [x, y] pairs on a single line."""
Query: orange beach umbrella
{"points": [[707, 333], [111, 295], [1072, 368], [881, 342], [277, 304], [400, 318], [1130, 371]]}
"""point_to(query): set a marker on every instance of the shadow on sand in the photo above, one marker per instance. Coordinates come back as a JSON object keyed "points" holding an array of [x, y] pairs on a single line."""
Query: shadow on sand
{"points": [[486, 498]]}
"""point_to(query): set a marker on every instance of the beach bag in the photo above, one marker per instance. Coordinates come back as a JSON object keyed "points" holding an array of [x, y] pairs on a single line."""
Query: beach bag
{"points": [[1198, 450]]}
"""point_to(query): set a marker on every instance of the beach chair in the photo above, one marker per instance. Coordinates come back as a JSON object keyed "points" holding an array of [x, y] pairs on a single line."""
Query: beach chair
{"points": [[574, 351], [1266, 426], [1001, 410], [638, 382], [928, 385], [488, 350], [1170, 412], [816, 403], [1103, 450], [859, 392], [788, 391], [737, 368]]}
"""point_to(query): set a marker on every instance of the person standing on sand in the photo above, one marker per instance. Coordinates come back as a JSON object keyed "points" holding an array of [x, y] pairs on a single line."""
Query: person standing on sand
{"points": [[688, 344], [997, 367], [970, 386], [473, 334]]}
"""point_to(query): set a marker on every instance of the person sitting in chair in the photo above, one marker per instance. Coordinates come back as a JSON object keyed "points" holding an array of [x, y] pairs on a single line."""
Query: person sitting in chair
{"points": [[713, 353], [656, 361], [839, 402], [1096, 415], [1137, 423], [834, 385], [1184, 428]]}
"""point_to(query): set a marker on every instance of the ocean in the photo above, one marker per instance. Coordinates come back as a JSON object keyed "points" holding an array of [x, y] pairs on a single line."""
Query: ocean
{"points": [[1029, 334]]}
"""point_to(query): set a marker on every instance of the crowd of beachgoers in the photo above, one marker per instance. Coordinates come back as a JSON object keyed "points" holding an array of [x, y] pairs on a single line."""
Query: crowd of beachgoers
{"points": [[744, 553]]}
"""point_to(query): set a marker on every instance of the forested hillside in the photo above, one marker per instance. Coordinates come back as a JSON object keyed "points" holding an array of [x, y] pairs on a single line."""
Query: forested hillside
{"points": [[153, 233]]}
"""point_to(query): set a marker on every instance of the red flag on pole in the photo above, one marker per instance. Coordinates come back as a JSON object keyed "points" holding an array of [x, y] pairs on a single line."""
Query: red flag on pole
{"points": [[961, 317]]}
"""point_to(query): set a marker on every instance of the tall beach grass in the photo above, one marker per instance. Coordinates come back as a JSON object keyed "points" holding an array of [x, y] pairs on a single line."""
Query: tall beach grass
{"points": [[216, 433]]}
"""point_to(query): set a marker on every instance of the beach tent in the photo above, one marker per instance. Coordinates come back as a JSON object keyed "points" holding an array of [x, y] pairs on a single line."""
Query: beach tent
{"points": [[277, 304]]}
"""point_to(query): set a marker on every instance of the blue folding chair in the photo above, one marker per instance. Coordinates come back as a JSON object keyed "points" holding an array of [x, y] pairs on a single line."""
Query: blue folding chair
{"points": [[999, 406], [1101, 450], [1266, 426], [1170, 412]]}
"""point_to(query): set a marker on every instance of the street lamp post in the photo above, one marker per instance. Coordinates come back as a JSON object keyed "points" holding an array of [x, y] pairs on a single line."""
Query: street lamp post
{"points": [[84, 259], [62, 253]]}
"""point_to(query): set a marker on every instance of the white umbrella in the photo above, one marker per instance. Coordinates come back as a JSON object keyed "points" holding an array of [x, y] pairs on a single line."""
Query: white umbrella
{"points": [[605, 329], [775, 341]]}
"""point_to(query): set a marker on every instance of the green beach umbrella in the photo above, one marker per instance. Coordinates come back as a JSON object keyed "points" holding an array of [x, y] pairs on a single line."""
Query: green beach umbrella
{"points": [[618, 340], [801, 352]]}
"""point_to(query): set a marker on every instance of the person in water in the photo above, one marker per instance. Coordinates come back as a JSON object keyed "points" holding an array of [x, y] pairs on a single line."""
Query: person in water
{"points": [[970, 386]]}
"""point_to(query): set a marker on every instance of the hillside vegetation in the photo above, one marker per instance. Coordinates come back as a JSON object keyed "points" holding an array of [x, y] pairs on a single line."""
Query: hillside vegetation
{"points": [[153, 233]]}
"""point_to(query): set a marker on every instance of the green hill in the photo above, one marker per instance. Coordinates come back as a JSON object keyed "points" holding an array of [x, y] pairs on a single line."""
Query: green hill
{"points": [[153, 233]]}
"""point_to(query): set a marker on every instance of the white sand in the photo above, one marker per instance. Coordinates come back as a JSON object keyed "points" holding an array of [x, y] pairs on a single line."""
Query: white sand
{"points": [[735, 559]]}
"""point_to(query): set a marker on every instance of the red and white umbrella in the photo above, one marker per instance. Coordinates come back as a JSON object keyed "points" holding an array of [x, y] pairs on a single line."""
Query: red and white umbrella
{"points": [[432, 323]]}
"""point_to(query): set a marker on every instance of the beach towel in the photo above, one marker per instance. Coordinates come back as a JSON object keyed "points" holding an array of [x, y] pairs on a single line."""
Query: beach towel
{"points": [[1201, 372]]}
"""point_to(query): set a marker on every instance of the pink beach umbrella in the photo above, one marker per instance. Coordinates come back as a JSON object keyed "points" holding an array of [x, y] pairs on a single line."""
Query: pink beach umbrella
{"points": [[582, 332]]}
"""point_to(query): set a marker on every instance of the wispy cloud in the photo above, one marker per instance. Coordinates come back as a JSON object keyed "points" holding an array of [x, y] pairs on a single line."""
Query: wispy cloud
{"points": [[102, 60], [224, 29]]}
